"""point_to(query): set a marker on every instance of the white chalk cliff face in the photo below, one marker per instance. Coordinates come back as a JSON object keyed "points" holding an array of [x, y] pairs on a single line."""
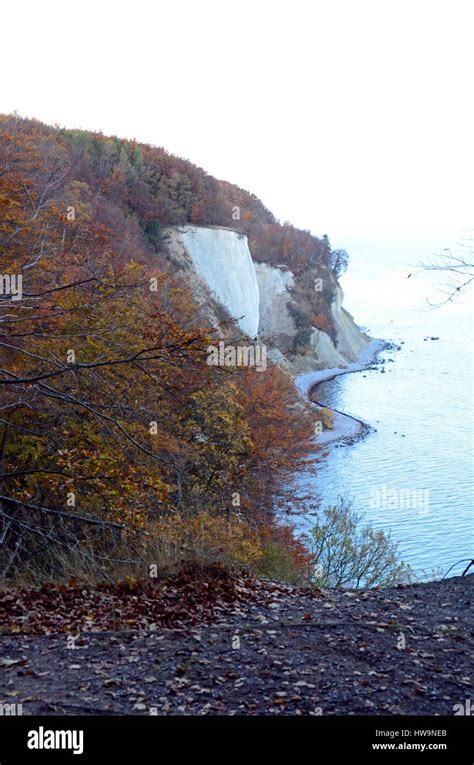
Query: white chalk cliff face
{"points": [[350, 340], [257, 295], [273, 284], [222, 258]]}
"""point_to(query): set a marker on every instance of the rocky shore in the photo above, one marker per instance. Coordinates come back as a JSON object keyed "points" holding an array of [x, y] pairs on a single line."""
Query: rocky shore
{"points": [[346, 428]]}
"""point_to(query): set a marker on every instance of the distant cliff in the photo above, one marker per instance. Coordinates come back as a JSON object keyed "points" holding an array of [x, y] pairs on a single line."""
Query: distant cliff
{"points": [[277, 281], [299, 316]]}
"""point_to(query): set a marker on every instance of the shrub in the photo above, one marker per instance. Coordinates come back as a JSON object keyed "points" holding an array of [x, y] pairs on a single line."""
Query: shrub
{"points": [[206, 538], [285, 557], [321, 322], [351, 555], [299, 317], [302, 339], [325, 415]]}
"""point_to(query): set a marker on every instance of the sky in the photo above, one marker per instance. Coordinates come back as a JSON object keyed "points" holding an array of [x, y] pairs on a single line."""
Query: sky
{"points": [[353, 119]]}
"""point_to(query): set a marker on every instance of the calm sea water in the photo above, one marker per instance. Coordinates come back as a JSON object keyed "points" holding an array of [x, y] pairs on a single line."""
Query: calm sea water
{"points": [[422, 410]]}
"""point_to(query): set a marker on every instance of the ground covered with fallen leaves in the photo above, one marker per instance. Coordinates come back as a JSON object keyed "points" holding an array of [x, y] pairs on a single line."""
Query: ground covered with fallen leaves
{"points": [[235, 645]]}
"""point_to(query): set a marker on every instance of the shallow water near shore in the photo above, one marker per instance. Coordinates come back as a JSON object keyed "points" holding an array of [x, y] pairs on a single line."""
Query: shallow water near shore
{"points": [[412, 474]]}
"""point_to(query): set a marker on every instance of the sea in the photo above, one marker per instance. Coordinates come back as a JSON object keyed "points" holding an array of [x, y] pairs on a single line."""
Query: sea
{"points": [[412, 475]]}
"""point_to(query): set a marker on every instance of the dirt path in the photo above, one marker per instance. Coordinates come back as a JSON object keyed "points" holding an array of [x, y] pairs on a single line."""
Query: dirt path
{"points": [[273, 650]]}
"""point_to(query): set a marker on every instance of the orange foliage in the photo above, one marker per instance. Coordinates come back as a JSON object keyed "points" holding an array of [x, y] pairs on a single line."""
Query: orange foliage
{"points": [[321, 322], [110, 412]]}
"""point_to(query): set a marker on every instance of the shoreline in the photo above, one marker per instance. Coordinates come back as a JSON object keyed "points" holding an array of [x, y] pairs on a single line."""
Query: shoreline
{"points": [[346, 428]]}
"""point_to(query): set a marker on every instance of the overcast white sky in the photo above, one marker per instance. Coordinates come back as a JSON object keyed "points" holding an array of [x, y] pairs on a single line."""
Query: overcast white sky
{"points": [[353, 118]]}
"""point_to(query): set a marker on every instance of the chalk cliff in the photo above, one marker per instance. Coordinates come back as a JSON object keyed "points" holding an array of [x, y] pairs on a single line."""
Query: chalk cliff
{"points": [[303, 329]]}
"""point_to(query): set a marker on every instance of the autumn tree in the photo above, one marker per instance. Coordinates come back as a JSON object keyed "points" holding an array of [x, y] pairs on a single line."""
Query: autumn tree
{"points": [[111, 420]]}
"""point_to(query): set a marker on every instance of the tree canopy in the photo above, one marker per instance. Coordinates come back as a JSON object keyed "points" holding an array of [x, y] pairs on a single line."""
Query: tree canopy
{"points": [[111, 422]]}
